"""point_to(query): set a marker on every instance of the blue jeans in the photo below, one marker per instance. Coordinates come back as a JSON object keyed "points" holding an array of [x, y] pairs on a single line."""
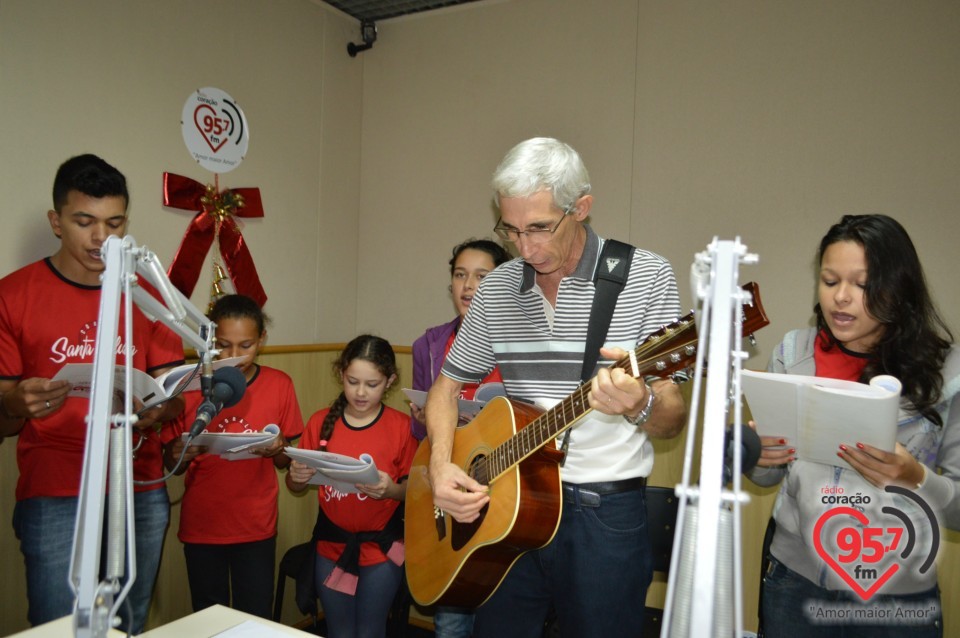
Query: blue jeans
{"points": [[453, 622], [794, 607], [595, 572], [151, 516], [363, 615], [45, 528]]}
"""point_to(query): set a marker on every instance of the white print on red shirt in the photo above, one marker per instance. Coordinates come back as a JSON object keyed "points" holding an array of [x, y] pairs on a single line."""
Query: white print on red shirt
{"points": [[62, 349]]}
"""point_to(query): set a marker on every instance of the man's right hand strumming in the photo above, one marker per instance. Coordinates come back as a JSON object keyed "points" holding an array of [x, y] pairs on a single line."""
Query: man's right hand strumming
{"points": [[456, 493]]}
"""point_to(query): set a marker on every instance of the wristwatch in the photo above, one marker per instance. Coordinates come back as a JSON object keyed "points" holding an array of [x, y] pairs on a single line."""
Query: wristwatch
{"points": [[647, 410]]}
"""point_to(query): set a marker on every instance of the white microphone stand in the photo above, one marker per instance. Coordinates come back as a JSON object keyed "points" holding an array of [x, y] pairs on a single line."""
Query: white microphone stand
{"points": [[705, 584], [108, 444]]}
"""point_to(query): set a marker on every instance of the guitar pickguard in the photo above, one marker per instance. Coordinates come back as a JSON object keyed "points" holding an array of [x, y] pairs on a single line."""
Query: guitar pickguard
{"points": [[463, 533]]}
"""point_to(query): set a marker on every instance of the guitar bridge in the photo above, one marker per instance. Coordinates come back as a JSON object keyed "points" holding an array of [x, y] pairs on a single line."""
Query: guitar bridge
{"points": [[441, 522]]}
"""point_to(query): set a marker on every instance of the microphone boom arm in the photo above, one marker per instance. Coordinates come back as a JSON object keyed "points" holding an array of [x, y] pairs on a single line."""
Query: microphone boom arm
{"points": [[701, 573], [108, 441]]}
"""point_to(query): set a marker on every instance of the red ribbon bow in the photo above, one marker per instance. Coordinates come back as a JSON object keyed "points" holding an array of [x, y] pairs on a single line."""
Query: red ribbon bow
{"points": [[214, 219]]}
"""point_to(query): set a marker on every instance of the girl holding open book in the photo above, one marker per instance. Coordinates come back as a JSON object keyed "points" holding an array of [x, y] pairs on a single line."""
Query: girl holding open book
{"points": [[837, 560], [228, 518], [359, 535]]}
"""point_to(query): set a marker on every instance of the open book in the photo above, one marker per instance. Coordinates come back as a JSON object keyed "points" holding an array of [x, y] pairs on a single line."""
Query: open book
{"points": [[466, 407], [149, 390], [235, 446], [339, 471], [816, 414]]}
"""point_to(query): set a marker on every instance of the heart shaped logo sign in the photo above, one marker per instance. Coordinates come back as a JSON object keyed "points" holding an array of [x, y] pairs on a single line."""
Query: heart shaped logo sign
{"points": [[214, 129], [857, 548], [211, 128]]}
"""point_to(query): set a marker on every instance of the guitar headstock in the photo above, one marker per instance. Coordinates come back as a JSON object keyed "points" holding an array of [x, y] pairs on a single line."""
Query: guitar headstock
{"points": [[753, 317], [674, 347]]}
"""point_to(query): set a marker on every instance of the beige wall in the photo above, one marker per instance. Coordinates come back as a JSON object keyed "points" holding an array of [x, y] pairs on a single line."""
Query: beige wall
{"points": [[766, 120], [111, 77]]}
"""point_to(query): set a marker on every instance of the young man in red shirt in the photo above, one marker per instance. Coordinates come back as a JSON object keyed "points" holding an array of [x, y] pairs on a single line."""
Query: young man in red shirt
{"points": [[48, 317]]}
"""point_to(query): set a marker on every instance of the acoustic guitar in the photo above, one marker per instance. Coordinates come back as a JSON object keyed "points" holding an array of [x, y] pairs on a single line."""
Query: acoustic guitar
{"points": [[510, 447]]}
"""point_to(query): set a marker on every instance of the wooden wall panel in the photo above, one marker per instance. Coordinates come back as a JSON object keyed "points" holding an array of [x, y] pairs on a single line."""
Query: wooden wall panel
{"points": [[316, 387]]}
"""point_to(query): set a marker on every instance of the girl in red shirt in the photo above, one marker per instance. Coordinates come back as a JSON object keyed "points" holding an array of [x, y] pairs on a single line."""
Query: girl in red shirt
{"points": [[359, 534], [228, 516]]}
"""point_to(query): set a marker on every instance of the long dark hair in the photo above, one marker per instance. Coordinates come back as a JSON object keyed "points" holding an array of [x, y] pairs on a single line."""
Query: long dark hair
{"points": [[377, 351], [915, 339], [497, 253]]}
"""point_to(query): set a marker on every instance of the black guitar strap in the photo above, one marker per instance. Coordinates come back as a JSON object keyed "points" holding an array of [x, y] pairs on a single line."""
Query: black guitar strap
{"points": [[609, 279]]}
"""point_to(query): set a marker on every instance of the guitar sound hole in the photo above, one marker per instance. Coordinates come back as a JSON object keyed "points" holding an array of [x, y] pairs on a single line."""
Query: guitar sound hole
{"points": [[478, 469], [461, 533]]}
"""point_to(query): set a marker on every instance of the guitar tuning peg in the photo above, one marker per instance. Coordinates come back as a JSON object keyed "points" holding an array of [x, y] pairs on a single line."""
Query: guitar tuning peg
{"points": [[752, 340]]}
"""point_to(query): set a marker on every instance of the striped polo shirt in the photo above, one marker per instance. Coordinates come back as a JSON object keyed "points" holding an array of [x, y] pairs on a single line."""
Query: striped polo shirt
{"points": [[539, 348]]}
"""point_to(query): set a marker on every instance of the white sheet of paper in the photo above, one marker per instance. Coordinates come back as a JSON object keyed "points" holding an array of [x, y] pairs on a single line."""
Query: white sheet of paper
{"points": [[339, 471], [484, 393], [816, 414], [234, 446], [147, 389]]}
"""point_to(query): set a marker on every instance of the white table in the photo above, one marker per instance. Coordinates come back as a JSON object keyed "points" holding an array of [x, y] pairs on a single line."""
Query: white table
{"points": [[207, 623], [214, 620]]}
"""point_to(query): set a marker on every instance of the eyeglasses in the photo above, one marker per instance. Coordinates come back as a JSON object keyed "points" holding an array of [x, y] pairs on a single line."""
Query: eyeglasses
{"points": [[534, 235]]}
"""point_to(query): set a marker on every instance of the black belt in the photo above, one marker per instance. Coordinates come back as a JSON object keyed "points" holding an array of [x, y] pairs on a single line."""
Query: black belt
{"points": [[589, 493]]}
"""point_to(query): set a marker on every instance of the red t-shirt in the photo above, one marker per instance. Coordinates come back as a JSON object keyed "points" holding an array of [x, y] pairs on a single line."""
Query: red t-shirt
{"points": [[389, 441], [468, 390], [227, 502], [47, 321]]}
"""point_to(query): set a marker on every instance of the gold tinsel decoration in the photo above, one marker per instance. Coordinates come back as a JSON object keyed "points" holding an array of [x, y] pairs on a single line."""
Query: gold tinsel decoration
{"points": [[216, 288]]}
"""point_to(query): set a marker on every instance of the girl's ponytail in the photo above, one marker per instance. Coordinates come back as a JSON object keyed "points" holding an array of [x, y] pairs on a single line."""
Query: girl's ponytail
{"points": [[336, 411]]}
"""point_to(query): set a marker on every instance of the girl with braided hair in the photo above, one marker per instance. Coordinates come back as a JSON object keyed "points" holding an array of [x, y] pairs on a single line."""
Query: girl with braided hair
{"points": [[359, 536]]}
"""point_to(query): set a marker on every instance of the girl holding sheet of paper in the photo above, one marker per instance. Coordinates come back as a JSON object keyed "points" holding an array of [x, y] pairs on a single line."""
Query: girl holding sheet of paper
{"points": [[359, 536], [228, 518], [472, 260], [874, 316]]}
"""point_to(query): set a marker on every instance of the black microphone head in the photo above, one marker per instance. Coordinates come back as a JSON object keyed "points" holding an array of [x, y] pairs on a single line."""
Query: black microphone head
{"points": [[229, 384], [751, 448]]}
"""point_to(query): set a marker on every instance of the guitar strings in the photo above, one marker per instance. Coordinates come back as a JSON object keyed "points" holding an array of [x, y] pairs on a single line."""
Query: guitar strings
{"points": [[550, 424]]}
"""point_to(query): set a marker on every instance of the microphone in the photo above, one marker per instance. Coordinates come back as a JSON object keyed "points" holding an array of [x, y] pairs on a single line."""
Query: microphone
{"points": [[227, 388], [749, 451], [206, 375]]}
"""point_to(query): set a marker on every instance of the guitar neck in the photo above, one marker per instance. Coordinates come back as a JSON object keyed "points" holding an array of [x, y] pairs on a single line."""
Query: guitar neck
{"points": [[574, 407], [538, 432], [665, 352]]}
